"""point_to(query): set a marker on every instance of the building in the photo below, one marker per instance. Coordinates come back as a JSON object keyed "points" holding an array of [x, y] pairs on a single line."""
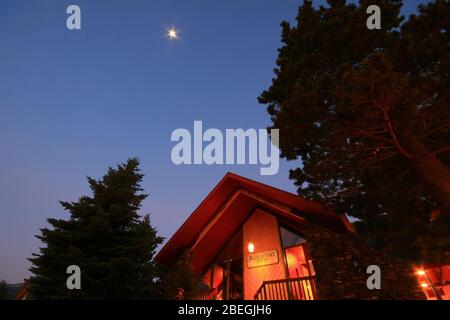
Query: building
{"points": [[255, 242], [22, 293], [435, 281]]}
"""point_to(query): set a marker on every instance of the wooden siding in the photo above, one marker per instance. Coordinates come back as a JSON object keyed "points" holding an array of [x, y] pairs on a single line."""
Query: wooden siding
{"points": [[261, 229]]}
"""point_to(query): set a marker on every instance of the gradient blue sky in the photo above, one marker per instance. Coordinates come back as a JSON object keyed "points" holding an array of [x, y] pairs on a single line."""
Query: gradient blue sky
{"points": [[73, 103]]}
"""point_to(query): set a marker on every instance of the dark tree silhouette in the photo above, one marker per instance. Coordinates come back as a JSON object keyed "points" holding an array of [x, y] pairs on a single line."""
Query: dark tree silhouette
{"points": [[106, 238], [367, 113], [3, 290]]}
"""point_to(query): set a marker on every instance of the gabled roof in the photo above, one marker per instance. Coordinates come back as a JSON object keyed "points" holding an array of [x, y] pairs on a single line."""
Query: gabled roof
{"points": [[227, 207], [22, 294]]}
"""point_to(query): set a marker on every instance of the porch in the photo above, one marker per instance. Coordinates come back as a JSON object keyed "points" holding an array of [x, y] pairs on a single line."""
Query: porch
{"points": [[302, 288]]}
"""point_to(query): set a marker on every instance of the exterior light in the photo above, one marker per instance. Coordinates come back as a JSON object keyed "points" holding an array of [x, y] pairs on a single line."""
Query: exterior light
{"points": [[420, 272], [428, 283], [251, 247]]}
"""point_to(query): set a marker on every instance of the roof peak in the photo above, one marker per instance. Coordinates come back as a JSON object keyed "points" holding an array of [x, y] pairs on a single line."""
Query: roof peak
{"points": [[231, 182]]}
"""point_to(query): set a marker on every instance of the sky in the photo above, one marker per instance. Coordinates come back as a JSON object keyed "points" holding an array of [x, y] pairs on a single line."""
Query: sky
{"points": [[73, 103]]}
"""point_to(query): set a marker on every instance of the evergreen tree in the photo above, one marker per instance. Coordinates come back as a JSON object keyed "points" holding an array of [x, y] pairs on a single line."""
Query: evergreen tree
{"points": [[106, 238], [179, 276], [3, 290], [367, 112]]}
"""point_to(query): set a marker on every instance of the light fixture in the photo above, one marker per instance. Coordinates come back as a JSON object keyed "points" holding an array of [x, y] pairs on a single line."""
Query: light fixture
{"points": [[428, 283], [251, 247]]}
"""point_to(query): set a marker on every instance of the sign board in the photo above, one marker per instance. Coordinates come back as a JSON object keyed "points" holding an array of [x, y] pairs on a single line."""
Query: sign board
{"points": [[262, 258]]}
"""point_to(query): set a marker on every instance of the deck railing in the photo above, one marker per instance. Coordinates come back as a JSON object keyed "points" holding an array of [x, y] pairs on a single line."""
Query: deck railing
{"points": [[303, 288], [208, 294]]}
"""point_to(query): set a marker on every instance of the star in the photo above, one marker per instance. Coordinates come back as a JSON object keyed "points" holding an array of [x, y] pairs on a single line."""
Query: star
{"points": [[172, 33]]}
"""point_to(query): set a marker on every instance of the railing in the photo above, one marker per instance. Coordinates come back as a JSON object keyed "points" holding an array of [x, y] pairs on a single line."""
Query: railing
{"points": [[303, 288], [209, 294]]}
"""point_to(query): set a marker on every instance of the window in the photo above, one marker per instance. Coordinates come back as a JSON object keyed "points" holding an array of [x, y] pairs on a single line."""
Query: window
{"points": [[297, 260], [290, 239]]}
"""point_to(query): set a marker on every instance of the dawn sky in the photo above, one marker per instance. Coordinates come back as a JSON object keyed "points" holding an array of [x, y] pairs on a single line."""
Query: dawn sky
{"points": [[73, 103]]}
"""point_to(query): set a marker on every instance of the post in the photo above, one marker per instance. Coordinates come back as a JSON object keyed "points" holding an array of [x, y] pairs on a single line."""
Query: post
{"points": [[227, 281]]}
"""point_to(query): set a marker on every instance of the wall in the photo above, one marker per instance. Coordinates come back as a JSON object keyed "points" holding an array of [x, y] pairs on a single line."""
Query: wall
{"points": [[262, 229], [296, 262]]}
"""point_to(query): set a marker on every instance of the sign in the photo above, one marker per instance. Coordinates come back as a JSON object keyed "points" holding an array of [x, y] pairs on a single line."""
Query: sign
{"points": [[262, 258]]}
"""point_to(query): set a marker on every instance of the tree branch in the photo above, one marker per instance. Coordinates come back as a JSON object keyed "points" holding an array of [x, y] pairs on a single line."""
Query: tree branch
{"points": [[441, 150]]}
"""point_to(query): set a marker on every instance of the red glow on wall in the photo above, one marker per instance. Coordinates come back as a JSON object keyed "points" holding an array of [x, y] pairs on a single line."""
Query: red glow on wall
{"points": [[435, 282], [296, 260]]}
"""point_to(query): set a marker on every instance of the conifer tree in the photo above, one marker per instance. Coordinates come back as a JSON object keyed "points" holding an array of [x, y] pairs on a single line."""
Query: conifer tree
{"points": [[3, 290], [367, 113], [106, 237]]}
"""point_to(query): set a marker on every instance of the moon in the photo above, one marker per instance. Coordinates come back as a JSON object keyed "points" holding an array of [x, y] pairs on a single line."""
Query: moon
{"points": [[172, 34]]}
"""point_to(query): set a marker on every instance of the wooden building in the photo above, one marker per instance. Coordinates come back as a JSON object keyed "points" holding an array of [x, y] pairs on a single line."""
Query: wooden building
{"points": [[252, 241], [435, 281]]}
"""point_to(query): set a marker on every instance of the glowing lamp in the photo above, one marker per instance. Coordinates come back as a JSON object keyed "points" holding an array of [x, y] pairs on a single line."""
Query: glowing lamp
{"points": [[420, 272], [251, 247], [424, 285]]}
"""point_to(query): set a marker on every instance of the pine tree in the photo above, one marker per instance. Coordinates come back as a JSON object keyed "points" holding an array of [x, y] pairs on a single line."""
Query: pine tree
{"points": [[367, 113], [106, 238], [179, 276], [3, 290]]}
